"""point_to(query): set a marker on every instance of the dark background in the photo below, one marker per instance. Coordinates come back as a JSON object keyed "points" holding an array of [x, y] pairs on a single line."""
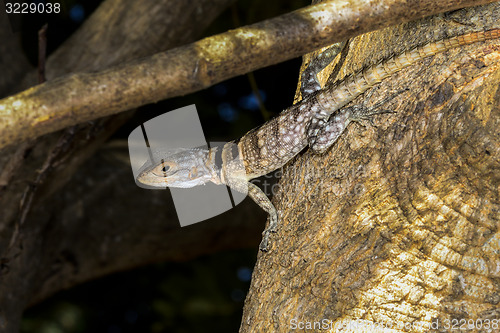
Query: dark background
{"points": [[203, 295]]}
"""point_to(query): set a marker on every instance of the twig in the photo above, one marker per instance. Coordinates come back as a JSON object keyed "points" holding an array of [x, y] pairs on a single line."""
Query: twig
{"points": [[42, 53]]}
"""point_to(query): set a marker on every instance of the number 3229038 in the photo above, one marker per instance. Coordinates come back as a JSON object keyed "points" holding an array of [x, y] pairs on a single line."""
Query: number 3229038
{"points": [[32, 8]]}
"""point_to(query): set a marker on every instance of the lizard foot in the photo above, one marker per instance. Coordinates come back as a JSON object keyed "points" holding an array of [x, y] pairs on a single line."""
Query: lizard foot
{"points": [[325, 134], [264, 244], [273, 225], [309, 80]]}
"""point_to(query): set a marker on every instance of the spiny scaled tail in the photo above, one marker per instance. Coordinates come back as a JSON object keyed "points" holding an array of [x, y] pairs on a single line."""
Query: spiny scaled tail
{"points": [[355, 85]]}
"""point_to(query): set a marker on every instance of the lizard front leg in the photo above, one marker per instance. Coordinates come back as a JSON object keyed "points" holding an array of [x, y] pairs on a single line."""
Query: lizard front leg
{"points": [[235, 176], [261, 199]]}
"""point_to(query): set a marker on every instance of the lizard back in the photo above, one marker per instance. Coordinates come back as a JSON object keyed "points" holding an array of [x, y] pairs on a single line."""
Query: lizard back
{"points": [[354, 85], [272, 145]]}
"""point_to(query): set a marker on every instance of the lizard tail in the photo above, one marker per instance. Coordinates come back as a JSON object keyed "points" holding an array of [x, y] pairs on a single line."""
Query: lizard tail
{"points": [[354, 85]]}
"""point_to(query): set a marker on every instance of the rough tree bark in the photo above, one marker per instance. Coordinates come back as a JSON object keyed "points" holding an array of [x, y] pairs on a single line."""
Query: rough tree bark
{"points": [[397, 223]]}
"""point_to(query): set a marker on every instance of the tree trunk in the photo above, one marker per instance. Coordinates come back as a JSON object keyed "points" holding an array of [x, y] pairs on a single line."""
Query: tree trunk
{"points": [[398, 223]]}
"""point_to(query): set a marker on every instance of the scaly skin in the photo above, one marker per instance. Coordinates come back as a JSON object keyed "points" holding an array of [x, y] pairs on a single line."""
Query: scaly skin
{"points": [[318, 121]]}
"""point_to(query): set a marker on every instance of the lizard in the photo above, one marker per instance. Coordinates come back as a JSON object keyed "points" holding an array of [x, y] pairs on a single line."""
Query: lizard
{"points": [[316, 121]]}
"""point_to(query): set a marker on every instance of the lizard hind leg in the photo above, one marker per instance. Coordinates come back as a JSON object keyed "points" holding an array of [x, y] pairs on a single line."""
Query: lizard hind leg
{"points": [[309, 79], [323, 134]]}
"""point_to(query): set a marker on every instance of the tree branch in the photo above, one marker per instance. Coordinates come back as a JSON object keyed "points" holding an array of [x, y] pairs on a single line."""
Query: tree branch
{"points": [[81, 97], [39, 259]]}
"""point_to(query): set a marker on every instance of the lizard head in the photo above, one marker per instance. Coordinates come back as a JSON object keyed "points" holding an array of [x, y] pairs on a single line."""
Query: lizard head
{"points": [[185, 168]]}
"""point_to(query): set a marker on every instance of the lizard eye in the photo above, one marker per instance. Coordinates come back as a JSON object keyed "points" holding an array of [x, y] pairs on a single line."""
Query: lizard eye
{"points": [[163, 169]]}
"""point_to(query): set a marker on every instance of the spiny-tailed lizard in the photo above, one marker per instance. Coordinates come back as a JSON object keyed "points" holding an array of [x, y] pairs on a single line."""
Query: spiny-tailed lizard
{"points": [[318, 121]]}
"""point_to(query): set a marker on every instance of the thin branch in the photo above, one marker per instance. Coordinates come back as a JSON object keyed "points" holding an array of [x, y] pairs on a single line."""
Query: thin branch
{"points": [[82, 97], [42, 52]]}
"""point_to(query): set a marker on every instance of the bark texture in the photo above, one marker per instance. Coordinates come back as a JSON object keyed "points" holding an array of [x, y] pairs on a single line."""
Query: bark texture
{"points": [[398, 224]]}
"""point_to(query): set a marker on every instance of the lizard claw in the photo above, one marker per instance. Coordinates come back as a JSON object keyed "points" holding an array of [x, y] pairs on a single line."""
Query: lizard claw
{"points": [[265, 241], [273, 225]]}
